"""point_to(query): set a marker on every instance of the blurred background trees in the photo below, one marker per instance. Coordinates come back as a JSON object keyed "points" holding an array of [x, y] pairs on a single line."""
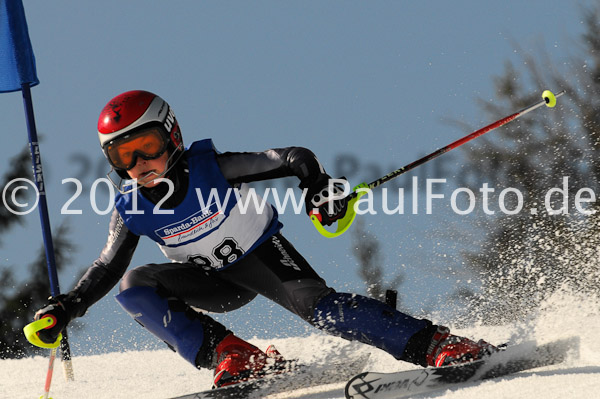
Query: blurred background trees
{"points": [[523, 259], [526, 257], [20, 298]]}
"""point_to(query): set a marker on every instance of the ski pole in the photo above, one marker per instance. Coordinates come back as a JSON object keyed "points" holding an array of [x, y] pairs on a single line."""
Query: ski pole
{"points": [[548, 99], [46, 394]]}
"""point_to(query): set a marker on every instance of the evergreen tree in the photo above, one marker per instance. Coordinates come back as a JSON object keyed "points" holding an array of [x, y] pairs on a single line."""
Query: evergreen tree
{"points": [[20, 299], [530, 255]]}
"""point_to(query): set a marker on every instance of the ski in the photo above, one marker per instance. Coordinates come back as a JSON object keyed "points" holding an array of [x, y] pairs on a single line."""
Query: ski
{"points": [[301, 377], [373, 385]]}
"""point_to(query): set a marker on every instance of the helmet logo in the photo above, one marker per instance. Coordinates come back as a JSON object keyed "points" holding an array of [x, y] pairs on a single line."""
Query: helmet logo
{"points": [[169, 120], [116, 110]]}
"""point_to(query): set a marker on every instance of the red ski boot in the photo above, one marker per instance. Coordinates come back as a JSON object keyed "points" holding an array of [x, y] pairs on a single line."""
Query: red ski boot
{"points": [[240, 361], [447, 349]]}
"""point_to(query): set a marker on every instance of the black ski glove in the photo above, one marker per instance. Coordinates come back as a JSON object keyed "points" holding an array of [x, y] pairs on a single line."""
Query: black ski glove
{"points": [[326, 201], [62, 309]]}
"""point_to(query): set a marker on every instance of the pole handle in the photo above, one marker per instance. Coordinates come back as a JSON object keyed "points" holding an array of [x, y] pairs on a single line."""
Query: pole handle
{"points": [[344, 223], [31, 331]]}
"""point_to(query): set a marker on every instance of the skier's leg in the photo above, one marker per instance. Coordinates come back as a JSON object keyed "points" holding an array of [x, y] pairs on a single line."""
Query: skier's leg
{"points": [[418, 341], [191, 334], [160, 296], [196, 286], [367, 320], [277, 271]]}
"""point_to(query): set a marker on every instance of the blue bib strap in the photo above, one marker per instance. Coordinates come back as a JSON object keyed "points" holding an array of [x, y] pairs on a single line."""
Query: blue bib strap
{"points": [[185, 335], [358, 318]]}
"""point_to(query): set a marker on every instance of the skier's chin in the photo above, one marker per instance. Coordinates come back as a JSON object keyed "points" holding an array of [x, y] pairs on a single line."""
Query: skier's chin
{"points": [[148, 179]]}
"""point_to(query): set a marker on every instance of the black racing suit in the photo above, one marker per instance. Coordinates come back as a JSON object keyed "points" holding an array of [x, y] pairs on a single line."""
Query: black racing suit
{"points": [[274, 269]]}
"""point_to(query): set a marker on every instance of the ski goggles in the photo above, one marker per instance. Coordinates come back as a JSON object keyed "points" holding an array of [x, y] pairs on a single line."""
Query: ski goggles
{"points": [[149, 143]]}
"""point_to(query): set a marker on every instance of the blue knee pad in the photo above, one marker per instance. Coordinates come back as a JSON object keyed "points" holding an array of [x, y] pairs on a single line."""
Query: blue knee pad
{"points": [[182, 333], [358, 318]]}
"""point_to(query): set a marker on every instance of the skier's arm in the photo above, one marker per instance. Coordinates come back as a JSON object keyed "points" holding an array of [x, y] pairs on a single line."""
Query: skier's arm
{"points": [[244, 167], [107, 270], [99, 279]]}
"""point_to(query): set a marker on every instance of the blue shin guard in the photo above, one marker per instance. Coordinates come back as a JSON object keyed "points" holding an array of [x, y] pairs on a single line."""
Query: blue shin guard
{"points": [[358, 318], [184, 334]]}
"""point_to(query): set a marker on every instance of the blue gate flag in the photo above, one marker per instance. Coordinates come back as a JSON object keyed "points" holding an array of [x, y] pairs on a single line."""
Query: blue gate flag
{"points": [[17, 62]]}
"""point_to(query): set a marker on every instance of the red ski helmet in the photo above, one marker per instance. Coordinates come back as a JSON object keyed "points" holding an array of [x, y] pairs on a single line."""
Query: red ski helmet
{"points": [[134, 111]]}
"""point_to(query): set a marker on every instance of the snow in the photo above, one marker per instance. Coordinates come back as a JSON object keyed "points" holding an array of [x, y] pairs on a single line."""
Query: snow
{"points": [[162, 374]]}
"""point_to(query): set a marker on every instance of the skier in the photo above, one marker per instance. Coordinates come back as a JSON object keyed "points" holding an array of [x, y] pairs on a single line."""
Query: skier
{"points": [[221, 257]]}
